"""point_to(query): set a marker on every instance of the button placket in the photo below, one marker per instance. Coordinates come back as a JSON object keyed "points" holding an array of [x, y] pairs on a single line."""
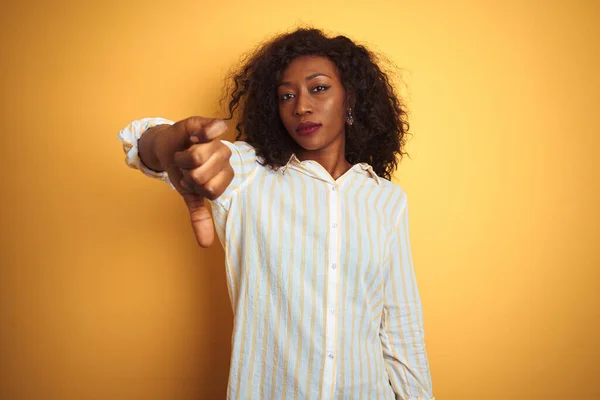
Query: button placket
{"points": [[332, 288], [334, 224]]}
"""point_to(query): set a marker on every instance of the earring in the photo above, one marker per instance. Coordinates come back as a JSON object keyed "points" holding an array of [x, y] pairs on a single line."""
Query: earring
{"points": [[349, 117]]}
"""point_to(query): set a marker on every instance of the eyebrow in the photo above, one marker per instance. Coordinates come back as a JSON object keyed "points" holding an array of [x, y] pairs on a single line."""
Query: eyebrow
{"points": [[313, 76]]}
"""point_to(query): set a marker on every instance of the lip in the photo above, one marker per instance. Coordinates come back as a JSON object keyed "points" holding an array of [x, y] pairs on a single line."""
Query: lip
{"points": [[307, 128]]}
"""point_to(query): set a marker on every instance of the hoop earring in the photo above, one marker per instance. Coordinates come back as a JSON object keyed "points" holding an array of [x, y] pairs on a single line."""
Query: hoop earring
{"points": [[350, 117]]}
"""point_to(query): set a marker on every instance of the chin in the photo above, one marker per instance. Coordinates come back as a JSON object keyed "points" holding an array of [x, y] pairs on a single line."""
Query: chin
{"points": [[309, 143]]}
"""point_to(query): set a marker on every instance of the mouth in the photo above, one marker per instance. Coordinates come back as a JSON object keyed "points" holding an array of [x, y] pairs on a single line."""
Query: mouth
{"points": [[307, 128]]}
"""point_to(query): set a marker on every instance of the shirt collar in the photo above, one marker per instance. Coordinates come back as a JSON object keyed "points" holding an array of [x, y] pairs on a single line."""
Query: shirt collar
{"points": [[363, 166], [369, 169]]}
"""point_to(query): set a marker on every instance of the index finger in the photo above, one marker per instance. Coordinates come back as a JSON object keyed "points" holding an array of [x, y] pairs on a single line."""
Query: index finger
{"points": [[202, 130]]}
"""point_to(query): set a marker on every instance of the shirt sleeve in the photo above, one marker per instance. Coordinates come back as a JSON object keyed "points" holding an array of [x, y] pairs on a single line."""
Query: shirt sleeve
{"points": [[401, 332], [245, 164], [129, 137]]}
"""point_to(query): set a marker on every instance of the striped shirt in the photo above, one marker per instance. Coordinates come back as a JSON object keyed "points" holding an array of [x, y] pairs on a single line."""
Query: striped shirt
{"points": [[320, 278]]}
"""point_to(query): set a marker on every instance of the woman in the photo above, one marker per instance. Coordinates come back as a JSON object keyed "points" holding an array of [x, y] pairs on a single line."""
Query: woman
{"points": [[316, 237]]}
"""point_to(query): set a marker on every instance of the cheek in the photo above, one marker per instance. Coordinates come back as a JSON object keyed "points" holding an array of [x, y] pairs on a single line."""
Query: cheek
{"points": [[285, 119], [334, 109], [282, 114]]}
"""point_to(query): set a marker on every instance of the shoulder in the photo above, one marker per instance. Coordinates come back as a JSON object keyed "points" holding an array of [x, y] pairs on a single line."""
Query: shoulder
{"points": [[395, 190], [242, 152], [239, 146], [396, 198]]}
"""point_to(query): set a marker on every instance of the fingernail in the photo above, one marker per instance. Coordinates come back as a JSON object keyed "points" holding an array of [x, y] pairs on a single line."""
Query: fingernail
{"points": [[216, 127], [194, 139]]}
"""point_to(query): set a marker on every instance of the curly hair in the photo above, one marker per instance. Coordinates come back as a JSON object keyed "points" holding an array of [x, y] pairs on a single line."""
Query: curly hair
{"points": [[377, 136]]}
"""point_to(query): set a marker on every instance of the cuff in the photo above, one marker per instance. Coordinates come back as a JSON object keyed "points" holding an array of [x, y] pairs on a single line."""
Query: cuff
{"points": [[129, 137]]}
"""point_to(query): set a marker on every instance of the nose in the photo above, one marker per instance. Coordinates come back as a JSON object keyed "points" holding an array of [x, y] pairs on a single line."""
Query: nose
{"points": [[303, 105]]}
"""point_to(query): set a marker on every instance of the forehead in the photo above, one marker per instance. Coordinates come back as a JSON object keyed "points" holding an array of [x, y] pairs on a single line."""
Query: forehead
{"points": [[304, 66]]}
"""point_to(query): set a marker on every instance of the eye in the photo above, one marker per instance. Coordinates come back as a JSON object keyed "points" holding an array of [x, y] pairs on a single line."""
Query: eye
{"points": [[286, 96], [320, 88]]}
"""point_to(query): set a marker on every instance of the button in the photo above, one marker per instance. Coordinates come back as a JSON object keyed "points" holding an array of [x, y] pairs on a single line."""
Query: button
{"points": [[331, 311], [333, 266], [330, 355], [333, 189], [334, 225]]}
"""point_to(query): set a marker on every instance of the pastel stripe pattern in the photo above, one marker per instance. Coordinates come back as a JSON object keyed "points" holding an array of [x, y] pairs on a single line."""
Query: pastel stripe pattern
{"points": [[321, 281]]}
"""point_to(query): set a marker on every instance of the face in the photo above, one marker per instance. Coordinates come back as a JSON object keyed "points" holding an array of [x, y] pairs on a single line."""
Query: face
{"points": [[312, 103]]}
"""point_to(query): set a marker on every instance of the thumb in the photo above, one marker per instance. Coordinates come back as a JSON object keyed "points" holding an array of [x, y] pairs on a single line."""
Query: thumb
{"points": [[201, 219]]}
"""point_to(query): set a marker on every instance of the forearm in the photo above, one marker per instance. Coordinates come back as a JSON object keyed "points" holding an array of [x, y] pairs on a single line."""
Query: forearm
{"points": [[407, 365], [402, 329], [147, 146]]}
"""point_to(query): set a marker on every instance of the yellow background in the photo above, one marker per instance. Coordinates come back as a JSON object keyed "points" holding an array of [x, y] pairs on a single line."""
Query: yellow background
{"points": [[104, 293]]}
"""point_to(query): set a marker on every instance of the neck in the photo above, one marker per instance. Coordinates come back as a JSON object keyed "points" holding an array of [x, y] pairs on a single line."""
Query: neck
{"points": [[332, 159]]}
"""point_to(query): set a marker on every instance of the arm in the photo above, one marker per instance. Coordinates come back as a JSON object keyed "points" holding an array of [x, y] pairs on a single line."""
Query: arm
{"points": [[401, 332], [141, 139]]}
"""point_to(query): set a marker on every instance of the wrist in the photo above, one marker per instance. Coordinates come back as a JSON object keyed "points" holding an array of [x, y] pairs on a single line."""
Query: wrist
{"points": [[148, 146]]}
